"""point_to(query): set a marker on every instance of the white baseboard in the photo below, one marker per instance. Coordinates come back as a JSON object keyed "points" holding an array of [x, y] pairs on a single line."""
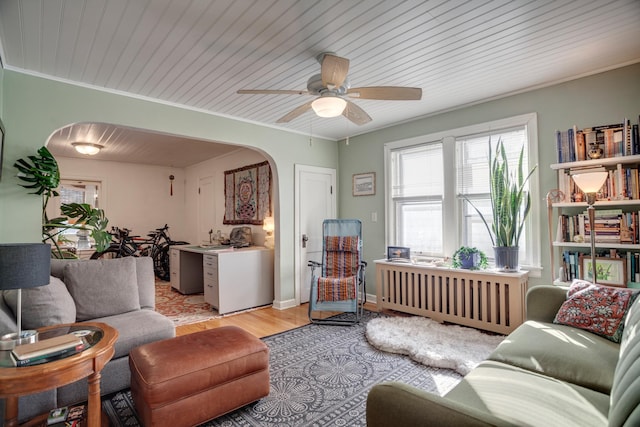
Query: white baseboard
{"points": [[371, 298], [283, 305]]}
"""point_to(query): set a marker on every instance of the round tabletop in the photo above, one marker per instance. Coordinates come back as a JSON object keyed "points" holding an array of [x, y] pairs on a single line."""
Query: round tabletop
{"points": [[23, 380]]}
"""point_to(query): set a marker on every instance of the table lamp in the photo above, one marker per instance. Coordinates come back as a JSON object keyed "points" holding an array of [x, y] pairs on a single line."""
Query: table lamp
{"points": [[268, 226], [590, 181], [23, 265]]}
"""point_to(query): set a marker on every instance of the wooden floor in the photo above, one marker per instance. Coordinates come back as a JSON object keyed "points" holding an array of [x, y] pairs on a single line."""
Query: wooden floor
{"points": [[261, 322]]}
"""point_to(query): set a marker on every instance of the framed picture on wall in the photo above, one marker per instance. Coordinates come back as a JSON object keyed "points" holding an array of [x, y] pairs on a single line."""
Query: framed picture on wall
{"points": [[610, 271], [364, 184], [1, 146]]}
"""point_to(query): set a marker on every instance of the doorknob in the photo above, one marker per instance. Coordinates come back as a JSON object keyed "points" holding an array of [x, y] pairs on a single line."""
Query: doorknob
{"points": [[305, 239]]}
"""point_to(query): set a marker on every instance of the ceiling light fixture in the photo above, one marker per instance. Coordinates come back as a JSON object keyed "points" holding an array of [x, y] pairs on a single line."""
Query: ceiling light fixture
{"points": [[329, 106], [87, 148]]}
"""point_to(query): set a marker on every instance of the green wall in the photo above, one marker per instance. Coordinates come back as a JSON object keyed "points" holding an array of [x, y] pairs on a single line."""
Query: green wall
{"points": [[34, 108], [595, 100]]}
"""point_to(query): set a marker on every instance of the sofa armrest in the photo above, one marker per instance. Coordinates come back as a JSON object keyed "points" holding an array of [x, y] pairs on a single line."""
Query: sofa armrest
{"points": [[398, 404], [544, 301]]}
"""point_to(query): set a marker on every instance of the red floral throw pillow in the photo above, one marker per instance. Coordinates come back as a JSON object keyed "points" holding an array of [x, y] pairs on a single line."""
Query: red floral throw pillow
{"points": [[595, 308]]}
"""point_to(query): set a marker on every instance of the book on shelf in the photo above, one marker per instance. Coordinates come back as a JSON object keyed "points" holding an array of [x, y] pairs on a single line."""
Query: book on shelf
{"points": [[614, 140], [46, 347]]}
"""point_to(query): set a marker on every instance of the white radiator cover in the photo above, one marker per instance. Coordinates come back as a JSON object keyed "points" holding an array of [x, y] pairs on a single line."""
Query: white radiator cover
{"points": [[481, 299]]}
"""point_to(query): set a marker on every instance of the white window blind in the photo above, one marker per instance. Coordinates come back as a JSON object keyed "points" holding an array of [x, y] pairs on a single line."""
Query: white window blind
{"points": [[472, 179], [417, 193]]}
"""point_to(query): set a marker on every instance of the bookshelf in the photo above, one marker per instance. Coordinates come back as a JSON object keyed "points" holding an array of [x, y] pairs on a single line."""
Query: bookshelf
{"points": [[617, 206]]}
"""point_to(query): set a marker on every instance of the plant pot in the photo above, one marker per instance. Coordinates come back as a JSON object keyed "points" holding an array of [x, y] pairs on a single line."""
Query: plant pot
{"points": [[469, 261], [506, 258]]}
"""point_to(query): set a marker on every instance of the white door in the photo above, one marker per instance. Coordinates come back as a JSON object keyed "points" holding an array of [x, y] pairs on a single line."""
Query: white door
{"points": [[206, 208], [315, 201]]}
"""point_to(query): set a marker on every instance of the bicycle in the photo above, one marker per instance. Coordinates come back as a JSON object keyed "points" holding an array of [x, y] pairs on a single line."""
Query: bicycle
{"points": [[156, 246]]}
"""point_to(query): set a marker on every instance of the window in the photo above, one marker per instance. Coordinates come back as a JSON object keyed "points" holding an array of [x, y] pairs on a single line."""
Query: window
{"points": [[74, 191], [427, 177]]}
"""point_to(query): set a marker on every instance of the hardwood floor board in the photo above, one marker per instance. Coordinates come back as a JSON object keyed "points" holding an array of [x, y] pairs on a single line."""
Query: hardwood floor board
{"points": [[261, 322]]}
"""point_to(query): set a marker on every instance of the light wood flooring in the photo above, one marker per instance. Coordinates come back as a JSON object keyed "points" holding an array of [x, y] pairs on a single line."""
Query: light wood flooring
{"points": [[261, 322]]}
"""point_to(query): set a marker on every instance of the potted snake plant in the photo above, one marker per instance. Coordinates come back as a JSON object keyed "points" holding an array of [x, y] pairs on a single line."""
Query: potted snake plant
{"points": [[510, 205], [41, 174]]}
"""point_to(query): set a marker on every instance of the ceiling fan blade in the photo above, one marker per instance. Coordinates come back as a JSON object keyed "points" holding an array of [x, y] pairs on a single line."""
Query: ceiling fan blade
{"points": [[272, 92], [391, 93], [295, 113], [334, 70], [356, 114]]}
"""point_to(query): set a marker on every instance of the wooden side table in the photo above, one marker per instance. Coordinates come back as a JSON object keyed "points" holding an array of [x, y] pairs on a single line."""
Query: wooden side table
{"points": [[16, 382]]}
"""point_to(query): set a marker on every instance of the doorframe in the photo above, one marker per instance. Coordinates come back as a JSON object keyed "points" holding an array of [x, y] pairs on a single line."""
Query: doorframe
{"points": [[297, 237]]}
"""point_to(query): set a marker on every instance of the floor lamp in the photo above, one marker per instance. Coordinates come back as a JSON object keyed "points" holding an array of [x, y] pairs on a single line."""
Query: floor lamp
{"points": [[22, 265], [590, 181]]}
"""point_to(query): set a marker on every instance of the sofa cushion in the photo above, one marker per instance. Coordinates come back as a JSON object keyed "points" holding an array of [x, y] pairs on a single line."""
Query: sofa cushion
{"points": [[625, 393], [44, 305], [7, 318], [102, 287], [57, 266], [528, 398], [554, 350], [597, 309], [146, 282], [138, 327]]}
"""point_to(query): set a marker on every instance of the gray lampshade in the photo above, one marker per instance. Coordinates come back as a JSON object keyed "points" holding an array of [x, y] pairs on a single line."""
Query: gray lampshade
{"points": [[24, 265]]}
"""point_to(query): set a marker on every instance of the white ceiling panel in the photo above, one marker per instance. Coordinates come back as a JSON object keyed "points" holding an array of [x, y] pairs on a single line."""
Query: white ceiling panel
{"points": [[200, 53]]}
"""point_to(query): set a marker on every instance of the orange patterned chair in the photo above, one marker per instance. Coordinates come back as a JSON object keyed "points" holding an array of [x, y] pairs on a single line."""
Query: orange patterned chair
{"points": [[340, 284]]}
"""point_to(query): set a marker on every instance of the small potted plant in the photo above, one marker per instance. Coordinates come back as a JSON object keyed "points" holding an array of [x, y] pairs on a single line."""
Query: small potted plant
{"points": [[469, 259]]}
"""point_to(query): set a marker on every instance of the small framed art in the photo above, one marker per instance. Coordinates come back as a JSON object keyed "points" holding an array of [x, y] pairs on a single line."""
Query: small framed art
{"points": [[364, 184], [398, 254], [610, 271]]}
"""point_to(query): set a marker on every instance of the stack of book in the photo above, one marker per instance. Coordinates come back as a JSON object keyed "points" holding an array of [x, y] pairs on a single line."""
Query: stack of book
{"points": [[68, 416], [614, 140], [47, 350]]}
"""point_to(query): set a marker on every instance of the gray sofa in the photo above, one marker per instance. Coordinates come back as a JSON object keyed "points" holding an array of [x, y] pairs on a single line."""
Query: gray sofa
{"points": [[119, 292], [542, 374]]}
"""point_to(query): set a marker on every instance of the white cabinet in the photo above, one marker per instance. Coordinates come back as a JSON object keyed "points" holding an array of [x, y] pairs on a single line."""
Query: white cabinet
{"points": [[239, 279], [186, 270], [231, 280]]}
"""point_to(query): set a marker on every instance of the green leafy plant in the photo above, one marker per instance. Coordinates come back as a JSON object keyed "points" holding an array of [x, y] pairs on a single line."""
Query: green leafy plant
{"points": [[41, 174], [510, 202], [465, 252]]}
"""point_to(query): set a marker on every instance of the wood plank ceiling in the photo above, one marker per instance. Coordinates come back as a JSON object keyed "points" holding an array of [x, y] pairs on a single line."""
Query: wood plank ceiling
{"points": [[197, 54]]}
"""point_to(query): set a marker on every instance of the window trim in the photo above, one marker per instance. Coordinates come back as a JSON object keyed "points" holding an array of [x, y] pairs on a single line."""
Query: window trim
{"points": [[453, 222]]}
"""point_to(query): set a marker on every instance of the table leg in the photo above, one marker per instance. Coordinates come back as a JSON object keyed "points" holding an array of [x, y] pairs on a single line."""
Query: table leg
{"points": [[94, 409], [11, 412]]}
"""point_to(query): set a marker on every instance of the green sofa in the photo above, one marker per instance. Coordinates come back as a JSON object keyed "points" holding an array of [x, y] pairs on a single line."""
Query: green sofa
{"points": [[542, 374]]}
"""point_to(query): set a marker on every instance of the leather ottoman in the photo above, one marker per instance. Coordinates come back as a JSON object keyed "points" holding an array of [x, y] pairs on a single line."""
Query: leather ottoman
{"points": [[187, 380]]}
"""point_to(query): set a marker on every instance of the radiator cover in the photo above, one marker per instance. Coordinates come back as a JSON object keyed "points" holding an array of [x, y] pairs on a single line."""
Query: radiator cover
{"points": [[481, 299]]}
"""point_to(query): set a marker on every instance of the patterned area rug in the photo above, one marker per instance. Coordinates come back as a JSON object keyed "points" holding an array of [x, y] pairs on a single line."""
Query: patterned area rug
{"points": [[186, 309], [182, 309], [320, 376]]}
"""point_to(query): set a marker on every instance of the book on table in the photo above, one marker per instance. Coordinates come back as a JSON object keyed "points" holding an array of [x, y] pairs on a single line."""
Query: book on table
{"points": [[47, 348]]}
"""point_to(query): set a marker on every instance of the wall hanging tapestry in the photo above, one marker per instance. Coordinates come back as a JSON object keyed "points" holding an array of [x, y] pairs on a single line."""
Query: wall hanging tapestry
{"points": [[247, 194]]}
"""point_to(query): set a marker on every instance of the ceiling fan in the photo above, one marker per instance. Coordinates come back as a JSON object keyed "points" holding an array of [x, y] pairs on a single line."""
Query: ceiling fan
{"points": [[332, 88]]}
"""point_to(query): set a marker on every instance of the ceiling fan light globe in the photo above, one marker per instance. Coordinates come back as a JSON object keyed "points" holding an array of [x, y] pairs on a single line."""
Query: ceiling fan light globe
{"points": [[329, 106], [87, 148]]}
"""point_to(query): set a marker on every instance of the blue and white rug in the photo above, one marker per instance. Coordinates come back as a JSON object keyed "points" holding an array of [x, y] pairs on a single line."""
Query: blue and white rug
{"points": [[320, 376]]}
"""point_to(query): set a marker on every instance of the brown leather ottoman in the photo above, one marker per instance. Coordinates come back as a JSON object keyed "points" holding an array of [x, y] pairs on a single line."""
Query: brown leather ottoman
{"points": [[187, 380]]}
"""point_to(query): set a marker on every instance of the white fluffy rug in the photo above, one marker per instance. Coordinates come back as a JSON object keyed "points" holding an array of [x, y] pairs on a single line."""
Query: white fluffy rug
{"points": [[431, 343]]}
